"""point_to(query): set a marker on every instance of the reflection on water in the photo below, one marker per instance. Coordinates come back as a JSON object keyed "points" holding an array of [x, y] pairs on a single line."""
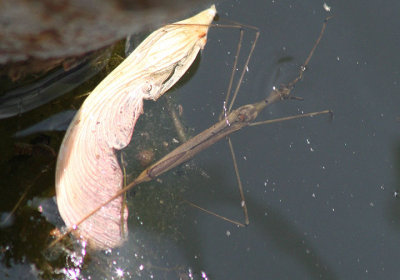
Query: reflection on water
{"points": [[53, 85]]}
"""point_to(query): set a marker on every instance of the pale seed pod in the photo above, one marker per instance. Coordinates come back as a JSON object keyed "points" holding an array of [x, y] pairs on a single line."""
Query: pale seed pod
{"points": [[88, 172]]}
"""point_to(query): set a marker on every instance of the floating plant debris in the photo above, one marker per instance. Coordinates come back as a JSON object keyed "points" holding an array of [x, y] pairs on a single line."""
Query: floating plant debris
{"points": [[88, 173]]}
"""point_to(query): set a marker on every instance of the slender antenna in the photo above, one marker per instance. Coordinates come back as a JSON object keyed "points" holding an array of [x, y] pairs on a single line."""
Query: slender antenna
{"points": [[304, 66]]}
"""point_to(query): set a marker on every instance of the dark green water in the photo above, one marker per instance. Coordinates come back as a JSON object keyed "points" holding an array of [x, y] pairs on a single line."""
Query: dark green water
{"points": [[322, 195]]}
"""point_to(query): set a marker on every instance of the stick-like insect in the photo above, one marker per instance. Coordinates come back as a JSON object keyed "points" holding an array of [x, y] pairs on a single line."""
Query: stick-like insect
{"points": [[231, 122]]}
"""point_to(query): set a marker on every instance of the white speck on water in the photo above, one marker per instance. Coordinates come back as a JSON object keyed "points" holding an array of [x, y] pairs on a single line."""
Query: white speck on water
{"points": [[228, 233], [204, 275], [371, 204], [395, 194], [190, 273], [244, 157], [72, 273], [141, 267], [327, 8], [108, 252], [308, 141], [243, 203], [313, 195], [119, 272], [247, 68], [338, 58]]}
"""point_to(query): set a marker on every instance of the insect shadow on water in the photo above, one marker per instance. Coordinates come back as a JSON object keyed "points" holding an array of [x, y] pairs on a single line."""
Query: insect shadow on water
{"points": [[230, 121]]}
